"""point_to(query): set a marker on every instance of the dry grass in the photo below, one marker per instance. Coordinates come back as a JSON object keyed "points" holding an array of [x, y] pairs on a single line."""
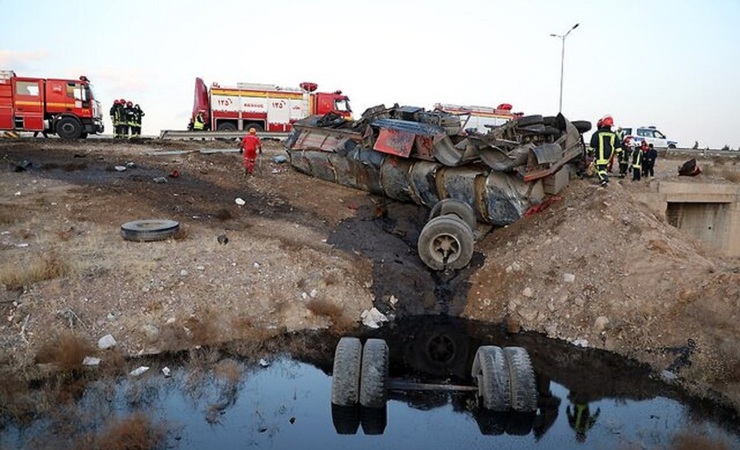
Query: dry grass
{"points": [[135, 432], [731, 175], [47, 266], [334, 312], [66, 351], [8, 214], [228, 370]]}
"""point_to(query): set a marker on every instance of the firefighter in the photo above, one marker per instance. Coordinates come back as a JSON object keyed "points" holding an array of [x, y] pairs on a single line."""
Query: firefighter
{"points": [[636, 164], [644, 147], [199, 124], [604, 142], [113, 118], [580, 419], [120, 118], [136, 127], [129, 121], [624, 156], [250, 146]]}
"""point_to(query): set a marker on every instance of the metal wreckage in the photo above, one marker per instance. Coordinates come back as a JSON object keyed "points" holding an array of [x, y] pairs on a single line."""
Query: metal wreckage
{"points": [[425, 157]]}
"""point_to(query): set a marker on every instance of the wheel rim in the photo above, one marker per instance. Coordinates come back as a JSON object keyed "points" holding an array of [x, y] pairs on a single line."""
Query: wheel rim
{"points": [[446, 247]]}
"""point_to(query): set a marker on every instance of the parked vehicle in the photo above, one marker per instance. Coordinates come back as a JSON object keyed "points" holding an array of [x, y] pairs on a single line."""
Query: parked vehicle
{"points": [[65, 107], [264, 107], [480, 119], [650, 134]]}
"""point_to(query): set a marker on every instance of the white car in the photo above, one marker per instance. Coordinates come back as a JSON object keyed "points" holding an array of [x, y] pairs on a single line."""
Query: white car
{"points": [[650, 134]]}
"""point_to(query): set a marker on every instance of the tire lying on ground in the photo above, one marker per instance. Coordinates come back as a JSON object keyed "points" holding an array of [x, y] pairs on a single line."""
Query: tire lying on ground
{"points": [[491, 374], [446, 242], [374, 374], [149, 230], [345, 380]]}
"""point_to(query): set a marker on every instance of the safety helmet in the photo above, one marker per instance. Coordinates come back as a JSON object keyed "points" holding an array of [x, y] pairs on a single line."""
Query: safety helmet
{"points": [[599, 123], [607, 121], [116, 101], [137, 106], [252, 131], [129, 104], [122, 101]]}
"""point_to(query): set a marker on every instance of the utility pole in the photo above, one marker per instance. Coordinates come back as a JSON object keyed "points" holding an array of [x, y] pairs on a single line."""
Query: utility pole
{"points": [[562, 62]]}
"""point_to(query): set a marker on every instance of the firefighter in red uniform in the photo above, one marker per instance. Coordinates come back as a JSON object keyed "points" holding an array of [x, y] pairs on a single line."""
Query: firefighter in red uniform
{"points": [[250, 146], [604, 142]]}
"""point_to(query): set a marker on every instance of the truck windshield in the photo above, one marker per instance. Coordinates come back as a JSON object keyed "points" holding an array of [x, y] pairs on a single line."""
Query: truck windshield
{"points": [[342, 105]]}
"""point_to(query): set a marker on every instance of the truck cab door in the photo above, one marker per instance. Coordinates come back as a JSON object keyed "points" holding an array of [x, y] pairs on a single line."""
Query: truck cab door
{"points": [[29, 104]]}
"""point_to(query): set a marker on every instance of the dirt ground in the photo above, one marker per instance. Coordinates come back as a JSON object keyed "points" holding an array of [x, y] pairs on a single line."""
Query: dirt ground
{"points": [[596, 268]]}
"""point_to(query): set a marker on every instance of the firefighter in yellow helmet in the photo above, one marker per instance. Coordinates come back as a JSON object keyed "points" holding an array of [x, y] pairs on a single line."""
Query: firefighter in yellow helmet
{"points": [[604, 142]]}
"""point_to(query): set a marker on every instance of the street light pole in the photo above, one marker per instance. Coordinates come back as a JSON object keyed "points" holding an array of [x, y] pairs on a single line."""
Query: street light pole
{"points": [[562, 62]]}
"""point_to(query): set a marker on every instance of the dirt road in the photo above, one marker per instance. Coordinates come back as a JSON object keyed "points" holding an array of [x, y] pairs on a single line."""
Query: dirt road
{"points": [[596, 268]]}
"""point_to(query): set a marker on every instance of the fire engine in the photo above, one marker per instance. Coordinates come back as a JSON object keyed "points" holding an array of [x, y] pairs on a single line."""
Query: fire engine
{"points": [[264, 107], [49, 105], [479, 118]]}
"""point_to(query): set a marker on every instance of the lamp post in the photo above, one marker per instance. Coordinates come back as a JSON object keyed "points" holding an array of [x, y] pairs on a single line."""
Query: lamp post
{"points": [[562, 62]]}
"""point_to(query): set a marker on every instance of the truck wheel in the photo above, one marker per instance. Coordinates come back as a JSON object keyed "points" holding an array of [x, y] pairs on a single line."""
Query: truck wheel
{"points": [[257, 127], [456, 207], [491, 375], [446, 242], [69, 128], [345, 382], [521, 376], [149, 230], [671, 145], [346, 419], [583, 126], [83, 135], [525, 121], [226, 126], [374, 374], [374, 420]]}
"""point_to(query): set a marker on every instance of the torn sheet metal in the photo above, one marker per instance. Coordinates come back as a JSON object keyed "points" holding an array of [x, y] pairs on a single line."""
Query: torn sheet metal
{"points": [[394, 142]]}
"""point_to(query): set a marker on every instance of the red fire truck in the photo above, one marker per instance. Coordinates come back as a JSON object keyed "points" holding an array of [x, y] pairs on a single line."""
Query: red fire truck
{"points": [[265, 107], [49, 105]]}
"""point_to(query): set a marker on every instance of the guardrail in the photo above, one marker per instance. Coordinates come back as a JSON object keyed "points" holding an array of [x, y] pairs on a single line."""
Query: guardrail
{"points": [[207, 135], [702, 152]]}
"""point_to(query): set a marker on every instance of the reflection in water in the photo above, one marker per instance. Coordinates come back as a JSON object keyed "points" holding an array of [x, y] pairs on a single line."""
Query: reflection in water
{"points": [[226, 400]]}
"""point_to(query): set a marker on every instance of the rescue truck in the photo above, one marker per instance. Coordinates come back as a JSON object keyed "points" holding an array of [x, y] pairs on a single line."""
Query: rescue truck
{"points": [[264, 107], [480, 118], [64, 107]]}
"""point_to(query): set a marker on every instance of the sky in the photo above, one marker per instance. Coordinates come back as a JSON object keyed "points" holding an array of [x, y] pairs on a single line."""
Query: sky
{"points": [[670, 64]]}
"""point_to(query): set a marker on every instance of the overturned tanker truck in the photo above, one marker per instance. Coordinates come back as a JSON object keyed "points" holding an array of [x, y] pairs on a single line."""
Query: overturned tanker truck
{"points": [[413, 155]]}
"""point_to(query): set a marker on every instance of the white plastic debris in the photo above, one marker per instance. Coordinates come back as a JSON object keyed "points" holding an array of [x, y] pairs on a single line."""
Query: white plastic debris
{"points": [[264, 363], [138, 371], [160, 180], [166, 372], [91, 361], [106, 342], [240, 201], [120, 168], [373, 318]]}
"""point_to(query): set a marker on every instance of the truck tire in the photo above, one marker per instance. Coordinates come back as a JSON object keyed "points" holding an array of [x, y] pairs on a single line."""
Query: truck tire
{"points": [[672, 146], [345, 382], [525, 121], [257, 127], [446, 242], [522, 380], [226, 126], [69, 128], [346, 419], [456, 207], [374, 374], [491, 375], [374, 420], [149, 230], [583, 126]]}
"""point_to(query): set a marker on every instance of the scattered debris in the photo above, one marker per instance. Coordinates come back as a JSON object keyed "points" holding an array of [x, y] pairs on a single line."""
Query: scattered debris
{"points": [[159, 180], [373, 318], [22, 166], [239, 201], [174, 174], [689, 169], [279, 159], [91, 361], [264, 363], [120, 168], [106, 342], [223, 239], [166, 372], [139, 371], [569, 277]]}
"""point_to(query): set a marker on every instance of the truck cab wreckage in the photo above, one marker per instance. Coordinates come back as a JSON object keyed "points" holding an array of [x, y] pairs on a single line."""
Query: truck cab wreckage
{"points": [[424, 157]]}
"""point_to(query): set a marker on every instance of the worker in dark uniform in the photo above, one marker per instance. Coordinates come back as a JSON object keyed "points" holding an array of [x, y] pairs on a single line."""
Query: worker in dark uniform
{"points": [[636, 163], [129, 119], [649, 163], [113, 118], [136, 127], [604, 142], [624, 156], [119, 118]]}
